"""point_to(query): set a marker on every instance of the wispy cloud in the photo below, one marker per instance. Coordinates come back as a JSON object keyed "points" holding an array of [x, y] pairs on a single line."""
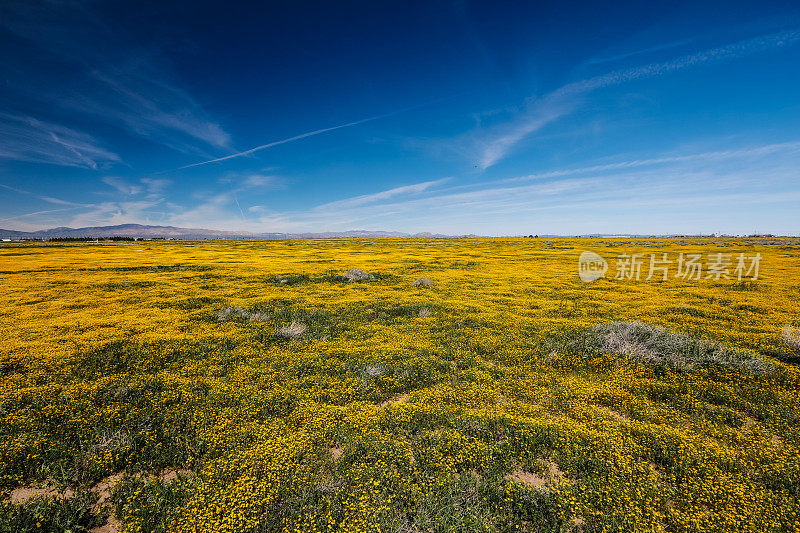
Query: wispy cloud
{"points": [[133, 201], [642, 51], [37, 213], [141, 98], [241, 181], [150, 188], [383, 195], [155, 186], [19, 220], [121, 185], [142, 211], [647, 194], [48, 199], [666, 193], [140, 201], [24, 138], [718, 155], [215, 209], [114, 79], [544, 110]]}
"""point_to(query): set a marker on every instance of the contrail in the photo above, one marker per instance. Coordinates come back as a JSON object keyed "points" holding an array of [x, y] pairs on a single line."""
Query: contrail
{"points": [[311, 134], [237, 205], [40, 197], [15, 217]]}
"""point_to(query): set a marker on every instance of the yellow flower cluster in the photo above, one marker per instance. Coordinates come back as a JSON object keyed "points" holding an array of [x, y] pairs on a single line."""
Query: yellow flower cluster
{"points": [[471, 405]]}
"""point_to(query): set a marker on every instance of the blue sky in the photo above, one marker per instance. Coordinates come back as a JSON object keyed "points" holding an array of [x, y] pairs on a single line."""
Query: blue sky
{"points": [[495, 118]]}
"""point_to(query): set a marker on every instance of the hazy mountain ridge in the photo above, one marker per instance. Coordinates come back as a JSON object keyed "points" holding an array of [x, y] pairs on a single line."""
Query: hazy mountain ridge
{"points": [[172, 232]]}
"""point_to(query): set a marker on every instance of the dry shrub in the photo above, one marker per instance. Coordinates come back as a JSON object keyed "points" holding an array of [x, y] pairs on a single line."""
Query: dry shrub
{"points": [[357, 275], [236, 313], [113, 439], [294, 330], [657, 346], [791, 338], [229, 313], [374, 371]]}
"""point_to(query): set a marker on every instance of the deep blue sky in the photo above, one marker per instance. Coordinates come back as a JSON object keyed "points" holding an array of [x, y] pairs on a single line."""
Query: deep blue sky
{"points": [[457, 117]]}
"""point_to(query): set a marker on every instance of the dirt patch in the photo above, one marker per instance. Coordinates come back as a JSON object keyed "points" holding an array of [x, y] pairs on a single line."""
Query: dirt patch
{"points": [[550, 358], [577, 525], [22, 495], [169, 475], [403, 398], [112, 525], [613, 414], [554, 476], [529, 478], [103, 490], [503, 399]]}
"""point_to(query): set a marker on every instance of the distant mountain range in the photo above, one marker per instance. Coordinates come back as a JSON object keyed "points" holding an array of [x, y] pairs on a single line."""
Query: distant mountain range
{"points": [[140, 231], [172, 232]]}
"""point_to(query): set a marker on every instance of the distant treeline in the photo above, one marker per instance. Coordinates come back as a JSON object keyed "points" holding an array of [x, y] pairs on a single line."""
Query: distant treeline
{"points": [[92, 239]]}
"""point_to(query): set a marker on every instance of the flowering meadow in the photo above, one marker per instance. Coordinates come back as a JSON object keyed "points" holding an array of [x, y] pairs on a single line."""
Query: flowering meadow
{"points": [[279, 393]]}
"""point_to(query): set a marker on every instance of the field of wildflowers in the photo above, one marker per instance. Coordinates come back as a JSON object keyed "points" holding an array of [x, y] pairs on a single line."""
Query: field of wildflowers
{"points": [[262, 386]]}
